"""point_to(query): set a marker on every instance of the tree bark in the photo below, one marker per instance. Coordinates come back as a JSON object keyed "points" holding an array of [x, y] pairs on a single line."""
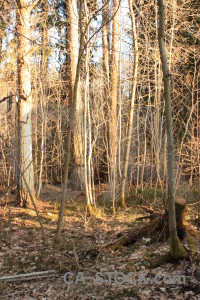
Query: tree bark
{"points": [[71, 123], [175, 246], [43, 100], [72, 36], [106, 76], [132, 102], [113, 100], [114, 80], [24, 105]]}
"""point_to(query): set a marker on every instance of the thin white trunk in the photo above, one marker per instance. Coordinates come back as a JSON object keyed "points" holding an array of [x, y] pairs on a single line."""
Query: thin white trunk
{"points": [[133, 92], [24, 102]]}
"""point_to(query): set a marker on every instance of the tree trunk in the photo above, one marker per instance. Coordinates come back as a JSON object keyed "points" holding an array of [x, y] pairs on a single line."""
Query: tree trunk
{"points": [[113, 100], [132, 102], [175, 246], [43, 101], [114, 80], [106, 74], [24, 104], [105, 42], [72, 36], [71, 123]]}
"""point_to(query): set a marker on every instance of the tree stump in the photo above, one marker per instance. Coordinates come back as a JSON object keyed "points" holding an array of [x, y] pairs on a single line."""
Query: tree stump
{"points": [[180, 206], [157, 227]]}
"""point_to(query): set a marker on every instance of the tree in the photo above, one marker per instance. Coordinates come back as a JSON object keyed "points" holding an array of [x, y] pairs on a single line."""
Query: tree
{"points": [[175, 246], [24, 104], [72, 40], [106, 76], [132, 101], [70, 128], [113, 98], [42, 24]]}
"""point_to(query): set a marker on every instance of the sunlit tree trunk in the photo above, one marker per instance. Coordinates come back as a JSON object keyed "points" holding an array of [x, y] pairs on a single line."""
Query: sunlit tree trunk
{"points": [[70, 129], [105, 40], [88, 167], [175, 246], [106, 78], [113, 99], [24, 104], [43, 101], [132, 101], [72, 37]]}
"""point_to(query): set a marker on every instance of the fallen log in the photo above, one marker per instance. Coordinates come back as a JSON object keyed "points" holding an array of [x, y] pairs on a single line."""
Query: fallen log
{"points": [[29, 276]]}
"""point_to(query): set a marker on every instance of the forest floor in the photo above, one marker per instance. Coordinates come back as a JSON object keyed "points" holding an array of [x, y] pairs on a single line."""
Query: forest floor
{"points": [[83, 253]]}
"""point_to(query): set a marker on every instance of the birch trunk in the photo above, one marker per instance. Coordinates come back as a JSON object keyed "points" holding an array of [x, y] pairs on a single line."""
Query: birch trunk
{"points": [[24, 104], [106, 74], [113, 100], [132, 102], [114, 80]]}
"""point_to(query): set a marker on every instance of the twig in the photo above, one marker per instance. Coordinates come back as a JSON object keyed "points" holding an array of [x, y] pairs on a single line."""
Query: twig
{"points": [[75, 254], [191, 250], [191, 204], [113, 242], [5, 98]]}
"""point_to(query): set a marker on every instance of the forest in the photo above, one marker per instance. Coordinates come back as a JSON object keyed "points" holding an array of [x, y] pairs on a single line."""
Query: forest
{"points": [[99, 149]]}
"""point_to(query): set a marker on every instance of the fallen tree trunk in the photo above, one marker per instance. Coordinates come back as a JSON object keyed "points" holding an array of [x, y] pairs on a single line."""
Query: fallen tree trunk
{"points": [[29, 276], [157, 227]]}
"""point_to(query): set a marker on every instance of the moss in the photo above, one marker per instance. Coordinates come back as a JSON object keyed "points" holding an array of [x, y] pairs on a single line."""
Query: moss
{"points": [[57, 205], [44, 254], [146, 196], [197, 258], [123, 294], [8, 263], [191, 242], [130, 267], [176, 249], [157, 261], [91, 210]]}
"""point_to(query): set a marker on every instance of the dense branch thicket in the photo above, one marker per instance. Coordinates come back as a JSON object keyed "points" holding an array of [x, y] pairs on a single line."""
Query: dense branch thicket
{"points": [[101, 126]]}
